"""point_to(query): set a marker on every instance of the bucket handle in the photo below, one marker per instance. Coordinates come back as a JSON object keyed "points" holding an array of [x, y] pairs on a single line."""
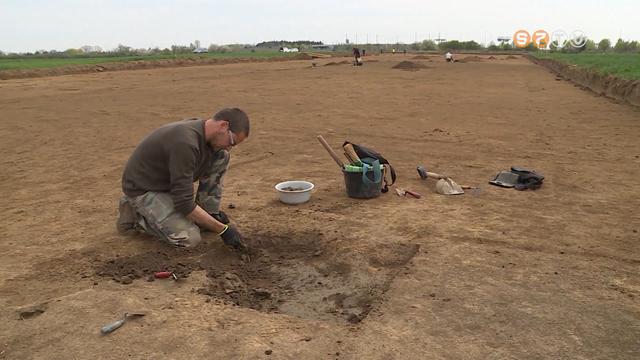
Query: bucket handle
{"points": [[377, 174]]}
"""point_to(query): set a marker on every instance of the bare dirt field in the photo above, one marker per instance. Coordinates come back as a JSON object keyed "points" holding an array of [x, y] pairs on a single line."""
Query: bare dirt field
{"points": [[492, 274]]}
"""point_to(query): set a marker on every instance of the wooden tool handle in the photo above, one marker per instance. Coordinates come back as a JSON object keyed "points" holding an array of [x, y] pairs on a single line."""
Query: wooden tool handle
{"points": [[351, 152], [435, 176], [330, 151], [348, 157]]}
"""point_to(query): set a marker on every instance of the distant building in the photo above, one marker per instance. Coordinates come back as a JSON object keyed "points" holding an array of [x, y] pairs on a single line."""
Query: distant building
{"points": [[200, 51], [287, 50]]}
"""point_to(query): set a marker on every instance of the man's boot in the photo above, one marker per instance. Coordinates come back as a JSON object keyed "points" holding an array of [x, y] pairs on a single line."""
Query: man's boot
{"points": [[127, 219]]}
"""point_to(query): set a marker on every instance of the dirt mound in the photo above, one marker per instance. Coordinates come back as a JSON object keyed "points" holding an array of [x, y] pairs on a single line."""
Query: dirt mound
{"points": [[410, 66], [511, 57], [473, 58], [602, 85], [492, 58], [299, 276], [303, 56], [333, 63], [420, 57]]}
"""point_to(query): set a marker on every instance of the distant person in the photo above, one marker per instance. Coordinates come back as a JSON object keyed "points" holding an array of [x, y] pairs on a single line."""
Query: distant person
{"points": [[172, 182], [448, 56], [356, 56], [363, 52], [393, 51], [404, 51]]}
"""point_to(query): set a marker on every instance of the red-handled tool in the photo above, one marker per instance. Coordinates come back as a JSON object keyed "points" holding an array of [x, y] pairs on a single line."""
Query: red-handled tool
{"points": [[165, 275], [403, 192], [415, 194]]}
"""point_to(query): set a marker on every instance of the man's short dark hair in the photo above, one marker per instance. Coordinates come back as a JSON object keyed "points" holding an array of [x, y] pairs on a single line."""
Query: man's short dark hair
{"points": [[237, 119]]}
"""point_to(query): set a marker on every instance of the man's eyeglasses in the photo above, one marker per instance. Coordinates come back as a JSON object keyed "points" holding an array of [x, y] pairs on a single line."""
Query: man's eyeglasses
{"points": [[232, 139]]}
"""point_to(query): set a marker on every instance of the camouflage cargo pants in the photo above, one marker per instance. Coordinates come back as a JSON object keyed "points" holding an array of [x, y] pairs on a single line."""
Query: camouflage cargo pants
{"points": [[154, 212]]}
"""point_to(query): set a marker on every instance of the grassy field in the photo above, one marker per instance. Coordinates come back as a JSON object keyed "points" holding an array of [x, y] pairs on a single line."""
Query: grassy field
{"points": [[625, 65], [34, 62]]}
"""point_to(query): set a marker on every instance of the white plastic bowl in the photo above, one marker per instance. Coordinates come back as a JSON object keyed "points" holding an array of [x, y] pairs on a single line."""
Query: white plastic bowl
{"points": [[296, 196]]}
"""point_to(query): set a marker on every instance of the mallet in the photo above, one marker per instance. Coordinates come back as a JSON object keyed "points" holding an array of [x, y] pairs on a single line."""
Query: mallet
{"points": [[350, 153], [424, 174], [330, 151]]}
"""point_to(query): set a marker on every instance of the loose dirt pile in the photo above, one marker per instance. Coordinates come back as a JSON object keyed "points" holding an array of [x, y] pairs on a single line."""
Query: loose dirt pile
{"points": [[294, 276], [511, 57], [303, 56], [470, 59], [421, 57], [410, 66], [333, 63]]}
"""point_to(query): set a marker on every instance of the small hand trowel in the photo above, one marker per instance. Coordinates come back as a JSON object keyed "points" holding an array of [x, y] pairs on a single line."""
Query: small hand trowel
{"points": [[113, 326]]}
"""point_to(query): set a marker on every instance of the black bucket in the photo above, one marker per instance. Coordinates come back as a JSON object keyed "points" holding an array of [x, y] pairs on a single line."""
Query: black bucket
{"points": [[359, 189]]}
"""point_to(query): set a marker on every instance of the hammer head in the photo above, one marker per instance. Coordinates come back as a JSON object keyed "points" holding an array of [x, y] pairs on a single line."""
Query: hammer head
{"points": [[422, 171]]}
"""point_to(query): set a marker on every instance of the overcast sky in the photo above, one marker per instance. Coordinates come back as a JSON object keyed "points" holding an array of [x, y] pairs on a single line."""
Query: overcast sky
{"points": [[29, 25]]}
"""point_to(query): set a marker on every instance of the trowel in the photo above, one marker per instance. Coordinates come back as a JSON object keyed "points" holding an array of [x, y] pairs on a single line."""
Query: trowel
{"points": [[444, 185]]}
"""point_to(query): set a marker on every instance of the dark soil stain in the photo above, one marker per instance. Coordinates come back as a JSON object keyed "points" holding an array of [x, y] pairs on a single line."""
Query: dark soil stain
{"points": [[298, 275]]}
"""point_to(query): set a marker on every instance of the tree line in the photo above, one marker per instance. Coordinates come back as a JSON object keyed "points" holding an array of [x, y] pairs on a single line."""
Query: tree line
{"points": [[604, 45]]}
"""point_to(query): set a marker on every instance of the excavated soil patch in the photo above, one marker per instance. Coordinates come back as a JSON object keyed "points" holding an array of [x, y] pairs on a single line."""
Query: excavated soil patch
{"points": [[300, 276]]}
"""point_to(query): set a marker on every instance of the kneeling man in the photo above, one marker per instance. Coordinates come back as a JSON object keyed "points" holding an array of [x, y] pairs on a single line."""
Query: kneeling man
{"points": [[172, 182]]}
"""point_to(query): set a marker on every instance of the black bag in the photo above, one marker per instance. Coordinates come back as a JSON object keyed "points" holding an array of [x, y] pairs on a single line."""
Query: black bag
{"points": [[527, 179], [365, 153], [519, 178]]}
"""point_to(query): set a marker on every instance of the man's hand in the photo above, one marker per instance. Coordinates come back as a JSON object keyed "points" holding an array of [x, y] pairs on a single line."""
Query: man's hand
{"points": [[220, 216], [232, 237]]}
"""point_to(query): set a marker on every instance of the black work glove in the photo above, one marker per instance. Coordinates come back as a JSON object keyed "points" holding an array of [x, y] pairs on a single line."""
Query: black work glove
{"points": [[220, 216], [232, 237]]}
